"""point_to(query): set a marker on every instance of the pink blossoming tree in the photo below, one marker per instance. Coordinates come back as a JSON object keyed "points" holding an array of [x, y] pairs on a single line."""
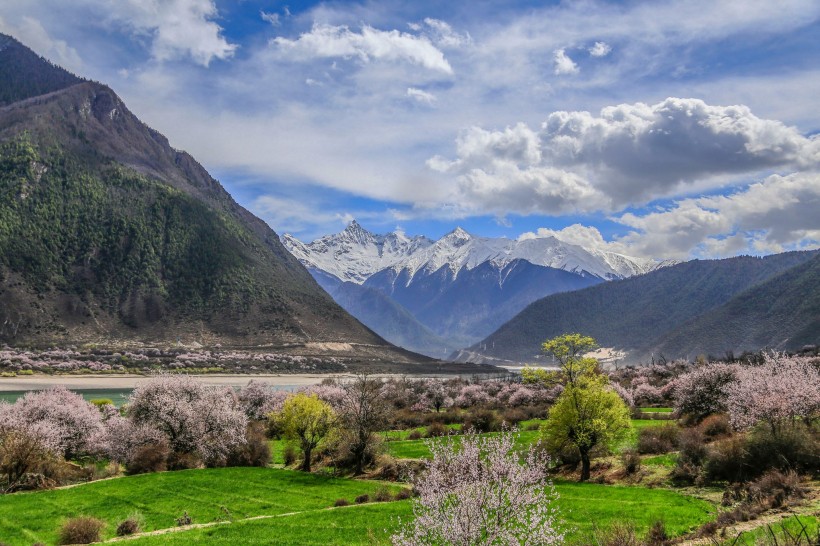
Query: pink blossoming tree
{"points": [[477, 492]]}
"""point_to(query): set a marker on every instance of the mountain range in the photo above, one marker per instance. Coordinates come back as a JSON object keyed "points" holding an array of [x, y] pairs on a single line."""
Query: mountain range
{"points": [[709, 307], [437, 296], [108, 234]]}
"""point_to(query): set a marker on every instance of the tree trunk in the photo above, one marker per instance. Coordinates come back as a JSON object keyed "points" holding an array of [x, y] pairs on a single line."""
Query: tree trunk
{"points": [[584, 465], [306, 463]]}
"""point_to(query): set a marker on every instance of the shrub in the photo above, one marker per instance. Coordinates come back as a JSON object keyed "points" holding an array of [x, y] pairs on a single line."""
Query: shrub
{"points": [[149, 458], [184, 519], [255, 451], [715, 426], [482, 420], [387, 468], [436, 429], [416, 435], [361, 499], [180, 460], [289, 454], [657, 534], [725, 460], [658, 440], [128, 526], [81, 530], [631, 461], [618, 534], [513, 416], [690, 457], [382, 494], [776, 487], [341, 502], [404, 494]]}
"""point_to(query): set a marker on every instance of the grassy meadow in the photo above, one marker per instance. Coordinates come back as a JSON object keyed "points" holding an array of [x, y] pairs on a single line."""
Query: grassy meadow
{"points": [[297, 508]]}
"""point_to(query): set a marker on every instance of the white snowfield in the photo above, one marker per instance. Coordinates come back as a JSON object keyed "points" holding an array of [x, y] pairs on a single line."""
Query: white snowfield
{"points": [[355, 254]]}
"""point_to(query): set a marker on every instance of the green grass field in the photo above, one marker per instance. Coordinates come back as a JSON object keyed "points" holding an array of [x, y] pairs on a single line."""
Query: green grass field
{"points": [[161, 498], [584, 507], [793, 526], [657, 410]]}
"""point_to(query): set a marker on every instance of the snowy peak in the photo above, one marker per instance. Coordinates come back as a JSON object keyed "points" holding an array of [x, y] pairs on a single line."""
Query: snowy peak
{"points": [[355, 254]]}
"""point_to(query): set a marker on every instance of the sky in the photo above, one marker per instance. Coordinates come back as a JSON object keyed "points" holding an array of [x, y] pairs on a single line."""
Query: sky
{"points": [[661, 129]]}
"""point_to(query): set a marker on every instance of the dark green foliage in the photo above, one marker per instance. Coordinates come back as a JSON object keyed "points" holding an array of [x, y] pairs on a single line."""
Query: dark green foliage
{"points": [[24, 74], [641, 313]]}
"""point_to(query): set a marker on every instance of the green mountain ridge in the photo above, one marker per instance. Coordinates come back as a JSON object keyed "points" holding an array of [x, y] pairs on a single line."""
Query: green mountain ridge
{"points": [[679, 311], [107, 233]]}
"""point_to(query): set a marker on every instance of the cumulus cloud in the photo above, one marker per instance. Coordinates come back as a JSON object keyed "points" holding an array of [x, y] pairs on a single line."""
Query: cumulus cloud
{"points": [[600, 49], [563, 64], [776, 214], [629, 154], [178, 28], [420, 95], [329, 41], [578, 234]]}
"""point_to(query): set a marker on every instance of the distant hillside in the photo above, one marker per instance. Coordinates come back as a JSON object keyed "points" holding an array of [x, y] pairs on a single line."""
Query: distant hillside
{"points": [[643, 313], [782, 312], [108, 233], [384, 316]]}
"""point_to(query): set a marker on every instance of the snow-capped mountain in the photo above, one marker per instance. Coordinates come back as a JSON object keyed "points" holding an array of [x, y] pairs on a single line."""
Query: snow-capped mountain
{"points": [[434, 296], [355, 254]]}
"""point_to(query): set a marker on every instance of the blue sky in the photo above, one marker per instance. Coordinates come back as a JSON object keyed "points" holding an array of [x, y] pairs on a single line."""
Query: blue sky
{"points": [[660, 129]]}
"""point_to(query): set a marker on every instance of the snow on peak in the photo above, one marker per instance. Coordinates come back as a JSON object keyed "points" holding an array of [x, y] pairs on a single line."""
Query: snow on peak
{"points": [[355, 254]]}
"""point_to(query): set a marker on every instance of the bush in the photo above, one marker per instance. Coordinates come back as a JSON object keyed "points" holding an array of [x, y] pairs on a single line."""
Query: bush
{"points": [[658, 440], [404, 494], [482, 420], [341, 502], [81, 530], [716, 426], [128, 526], [436, 429], [361, 499], [289, 454], [690, 457], [255, 451], [631, 461], [184, 461], [149, 458], [382, 494], [657, 534], [513, 416], [184, 519], [775, 488], [725, 460], [618, 534], [416, 435]]}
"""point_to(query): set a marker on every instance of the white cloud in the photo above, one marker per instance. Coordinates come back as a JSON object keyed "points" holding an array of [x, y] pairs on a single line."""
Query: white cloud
{"points": [[577, 234], [331, 41], [776, 214], [31, 33], [420, 95], [178, 28], [629, 154], [600, 49], [563, 64], [272, 18], [443, 35]]}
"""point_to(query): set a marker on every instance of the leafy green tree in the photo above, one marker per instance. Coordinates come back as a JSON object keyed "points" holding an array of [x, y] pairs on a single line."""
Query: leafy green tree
{"points": [[307, 419], [586, 415], [569, 350]]}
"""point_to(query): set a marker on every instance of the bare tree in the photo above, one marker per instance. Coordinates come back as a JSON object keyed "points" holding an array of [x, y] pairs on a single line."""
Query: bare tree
{"points": [[363, 412]]}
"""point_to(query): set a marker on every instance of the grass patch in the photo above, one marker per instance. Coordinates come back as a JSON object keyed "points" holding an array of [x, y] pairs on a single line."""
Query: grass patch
{"points": [[657, 410], [417, 449], [163, 497], [582, 504], [668, 459]]}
